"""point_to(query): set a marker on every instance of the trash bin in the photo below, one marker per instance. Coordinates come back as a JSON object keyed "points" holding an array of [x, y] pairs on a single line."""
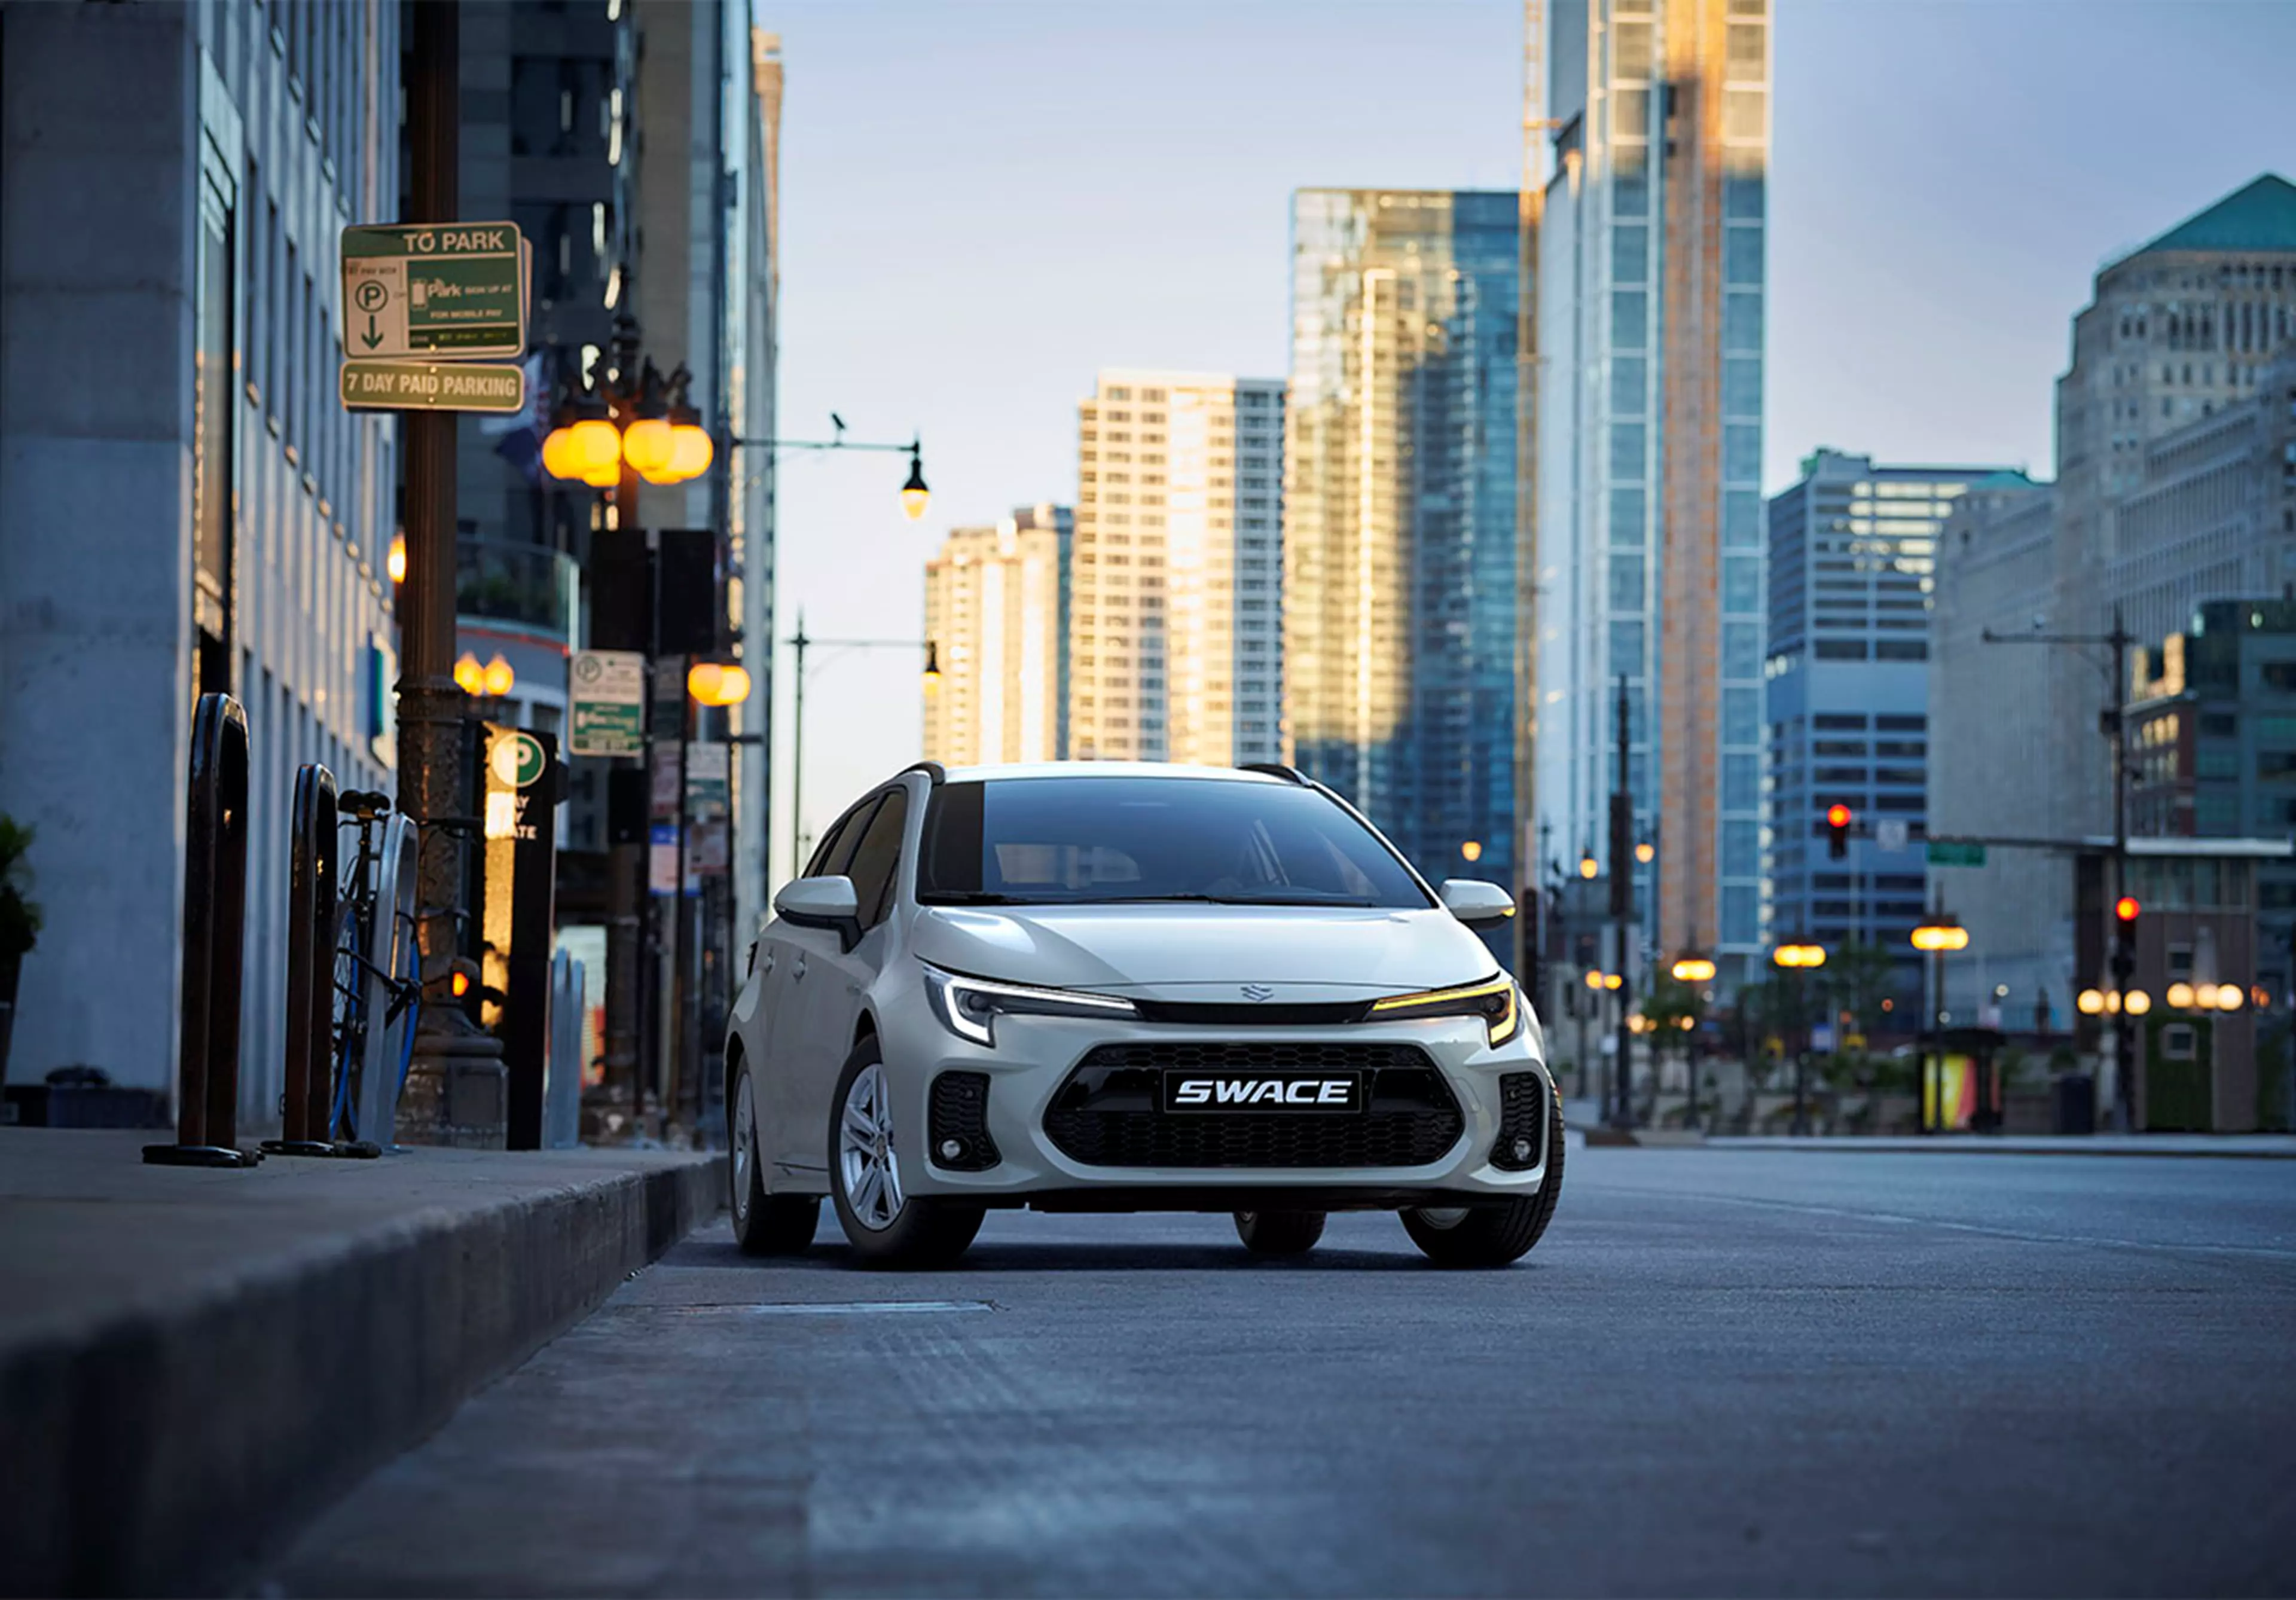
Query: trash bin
{"points": [[2076, 1104]]}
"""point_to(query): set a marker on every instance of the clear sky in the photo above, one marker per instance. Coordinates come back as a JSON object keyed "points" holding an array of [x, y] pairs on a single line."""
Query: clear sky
{"points": [[983, 201]]}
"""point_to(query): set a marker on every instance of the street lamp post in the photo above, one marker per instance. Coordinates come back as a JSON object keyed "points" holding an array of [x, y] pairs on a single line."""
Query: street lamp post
{"points": [[802, 642], [1935, 937], [1800, 957], [1697, 971]]}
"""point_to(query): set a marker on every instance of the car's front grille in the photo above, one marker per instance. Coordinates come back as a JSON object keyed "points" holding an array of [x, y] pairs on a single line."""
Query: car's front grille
{"points": [[1110, 1112]]}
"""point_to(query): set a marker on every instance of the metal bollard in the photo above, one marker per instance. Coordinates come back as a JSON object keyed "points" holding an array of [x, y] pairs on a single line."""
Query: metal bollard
{"points": [[215, 926], [562, 1116]]}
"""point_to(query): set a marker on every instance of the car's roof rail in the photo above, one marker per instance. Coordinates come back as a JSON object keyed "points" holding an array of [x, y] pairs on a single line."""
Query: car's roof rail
{"points": [[934, 772], [1276, 769]]}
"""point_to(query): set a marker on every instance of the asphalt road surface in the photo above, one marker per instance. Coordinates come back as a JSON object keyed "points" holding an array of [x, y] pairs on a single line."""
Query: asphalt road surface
{"points": [[1722, 1373]]}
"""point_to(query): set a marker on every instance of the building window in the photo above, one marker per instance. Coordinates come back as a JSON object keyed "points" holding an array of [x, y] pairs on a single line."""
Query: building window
{"points": [[1627, 444], [1630, 319], [1626, 518]]}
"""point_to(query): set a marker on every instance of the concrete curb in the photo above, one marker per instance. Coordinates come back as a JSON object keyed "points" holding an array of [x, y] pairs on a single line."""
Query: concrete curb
{"points": [[2218, 1147], [163, 1447]]}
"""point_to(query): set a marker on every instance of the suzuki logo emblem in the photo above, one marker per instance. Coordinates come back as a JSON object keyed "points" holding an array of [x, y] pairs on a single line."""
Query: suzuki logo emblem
{"points": [[1256, 991]]}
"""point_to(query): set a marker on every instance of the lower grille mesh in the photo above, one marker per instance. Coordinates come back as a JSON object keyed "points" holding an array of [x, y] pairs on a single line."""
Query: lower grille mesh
{"points": [[960, 1116], [1109, 1113], [1523, 1115]]}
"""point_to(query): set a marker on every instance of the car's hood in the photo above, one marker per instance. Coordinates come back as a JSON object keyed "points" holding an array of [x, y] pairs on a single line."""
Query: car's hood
{"points": [[1206, 952]]}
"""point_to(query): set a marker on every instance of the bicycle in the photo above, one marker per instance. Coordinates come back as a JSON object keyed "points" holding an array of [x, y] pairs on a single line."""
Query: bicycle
{"points": [[373, 996]]}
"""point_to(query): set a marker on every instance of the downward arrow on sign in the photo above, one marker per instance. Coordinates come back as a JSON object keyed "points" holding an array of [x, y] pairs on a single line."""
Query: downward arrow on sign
{"points": [[373, 338]]}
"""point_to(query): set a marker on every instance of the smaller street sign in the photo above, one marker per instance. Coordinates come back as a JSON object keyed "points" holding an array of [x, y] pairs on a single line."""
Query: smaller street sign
{"points": [[432, 386], [1948, 853], [608, 696], [661, 859], [709, 790], [1891, 834], [455, 290], [1821, 1036]]}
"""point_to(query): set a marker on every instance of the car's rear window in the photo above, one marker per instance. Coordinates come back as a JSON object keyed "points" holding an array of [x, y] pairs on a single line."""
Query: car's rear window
{"points": [[1100, 840]]}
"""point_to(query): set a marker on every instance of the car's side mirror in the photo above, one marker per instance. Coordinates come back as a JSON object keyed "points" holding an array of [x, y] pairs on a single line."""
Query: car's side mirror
{"points": [[826, 902], [1476, 903]]}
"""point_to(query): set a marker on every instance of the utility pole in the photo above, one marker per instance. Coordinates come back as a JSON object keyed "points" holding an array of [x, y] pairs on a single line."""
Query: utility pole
{"points": [[797, 753], [1622, 910], [457, 1088], [2112, 722], [1530, 211], [431, 704]]}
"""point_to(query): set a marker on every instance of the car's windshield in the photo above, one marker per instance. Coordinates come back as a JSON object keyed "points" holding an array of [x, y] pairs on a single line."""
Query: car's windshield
{"points": [[1113, 840]]}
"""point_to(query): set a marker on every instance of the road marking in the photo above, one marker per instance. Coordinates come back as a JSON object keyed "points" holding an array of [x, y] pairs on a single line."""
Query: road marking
{"points": [[848, 1307]]}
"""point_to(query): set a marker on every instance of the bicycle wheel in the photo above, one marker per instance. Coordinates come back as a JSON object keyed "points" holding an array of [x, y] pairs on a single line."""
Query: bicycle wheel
{"points": [[351, 1020]]}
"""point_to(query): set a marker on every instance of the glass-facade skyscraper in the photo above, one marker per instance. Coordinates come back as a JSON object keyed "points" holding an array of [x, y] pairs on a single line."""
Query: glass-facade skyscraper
{"points": [[1650, 553], [1853, 559], [1400, 515]]}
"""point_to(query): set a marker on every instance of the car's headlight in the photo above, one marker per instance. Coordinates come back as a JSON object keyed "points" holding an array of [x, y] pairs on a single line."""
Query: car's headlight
{"points": [[968, 1006], [1493, 1000]]}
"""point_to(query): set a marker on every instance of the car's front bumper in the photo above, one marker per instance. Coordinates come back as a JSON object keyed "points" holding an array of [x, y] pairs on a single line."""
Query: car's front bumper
{"points": [[1033, 1057]]}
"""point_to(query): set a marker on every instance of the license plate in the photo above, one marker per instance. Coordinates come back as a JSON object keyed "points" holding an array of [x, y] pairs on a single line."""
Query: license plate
{"points": [[1303, 1091]]}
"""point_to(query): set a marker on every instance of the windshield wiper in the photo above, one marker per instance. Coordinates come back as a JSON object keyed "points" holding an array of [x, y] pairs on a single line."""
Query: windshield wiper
{"points": [[970, 896]]}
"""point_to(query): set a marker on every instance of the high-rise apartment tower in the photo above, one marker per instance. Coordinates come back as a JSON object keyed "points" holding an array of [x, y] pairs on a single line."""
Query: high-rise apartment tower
{"points": [[1177, 624], [996, 615]]}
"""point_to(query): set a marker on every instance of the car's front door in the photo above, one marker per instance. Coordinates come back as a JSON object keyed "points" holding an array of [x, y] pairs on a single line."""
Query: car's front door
{"points": [[783, 948], [826, 1009]]}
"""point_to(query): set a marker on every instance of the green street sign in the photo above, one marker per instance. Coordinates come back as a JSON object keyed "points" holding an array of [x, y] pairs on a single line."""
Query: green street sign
{"points": [[519, 759], [432, 386], [455, 290], [607, 716], [1946, 853]]}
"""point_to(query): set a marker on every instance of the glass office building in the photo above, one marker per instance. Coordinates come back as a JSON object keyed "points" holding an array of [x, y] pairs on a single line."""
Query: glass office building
{"points": [[1650, 456], [1400, 516], [1853, 559]]}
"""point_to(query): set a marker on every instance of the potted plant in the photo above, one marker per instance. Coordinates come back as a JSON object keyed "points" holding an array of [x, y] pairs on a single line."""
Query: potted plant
{"points": [[20, 922]]}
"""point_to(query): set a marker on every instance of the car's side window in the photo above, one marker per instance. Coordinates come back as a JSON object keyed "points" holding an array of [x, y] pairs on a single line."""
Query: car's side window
{"points": [[836, 847], [876, 858]]}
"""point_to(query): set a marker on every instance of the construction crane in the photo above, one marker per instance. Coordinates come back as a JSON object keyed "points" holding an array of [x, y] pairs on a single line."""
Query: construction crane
{"points": [[1530, 211]]}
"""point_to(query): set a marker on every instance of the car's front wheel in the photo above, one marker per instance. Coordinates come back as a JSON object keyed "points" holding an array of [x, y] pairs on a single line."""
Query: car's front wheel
{"points": [[1493, 1235], [886, 1224], [1279, 1233], [764, 1225]]}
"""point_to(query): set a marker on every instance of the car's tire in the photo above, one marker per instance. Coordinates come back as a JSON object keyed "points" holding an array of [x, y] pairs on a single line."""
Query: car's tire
{"points": [[887, 1226], [1493, 1235], [764, 1225], [1279, 1233]]}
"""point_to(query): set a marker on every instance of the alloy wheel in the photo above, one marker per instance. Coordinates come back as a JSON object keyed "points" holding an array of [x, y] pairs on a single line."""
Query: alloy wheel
{"points": [[867, 1165], [745, 1142]]}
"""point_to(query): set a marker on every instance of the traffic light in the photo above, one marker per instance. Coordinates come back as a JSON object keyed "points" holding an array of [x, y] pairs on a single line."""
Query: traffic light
{"points": [[2127, 911], [1837, 830]]}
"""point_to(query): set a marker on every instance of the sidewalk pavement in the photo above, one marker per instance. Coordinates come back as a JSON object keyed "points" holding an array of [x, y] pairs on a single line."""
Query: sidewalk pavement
{"points": [[192, 1361]]}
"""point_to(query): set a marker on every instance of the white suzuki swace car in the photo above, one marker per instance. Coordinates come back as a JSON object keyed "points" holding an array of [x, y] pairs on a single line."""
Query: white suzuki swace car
{"points": [[1113, 987]]}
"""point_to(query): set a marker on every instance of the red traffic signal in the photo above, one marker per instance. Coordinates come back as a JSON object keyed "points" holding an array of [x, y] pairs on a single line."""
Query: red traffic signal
{"points": [[1837, 830], [2126, 908]]}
